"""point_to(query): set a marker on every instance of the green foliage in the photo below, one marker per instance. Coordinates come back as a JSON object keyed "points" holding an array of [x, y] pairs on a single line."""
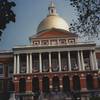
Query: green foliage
{"points": [[88, 21], [95, 98], [1, 85], [6, 14]]}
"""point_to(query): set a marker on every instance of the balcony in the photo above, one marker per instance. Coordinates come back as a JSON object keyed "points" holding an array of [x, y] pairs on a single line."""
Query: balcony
{"points": [[53, 44], [35, 69], [55, 68], [23, 70], [64, 68], [87, 67]]}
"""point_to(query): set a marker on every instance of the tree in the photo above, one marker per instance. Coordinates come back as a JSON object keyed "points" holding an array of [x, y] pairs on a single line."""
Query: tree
{"points": [[6, 14], [88, 21]]}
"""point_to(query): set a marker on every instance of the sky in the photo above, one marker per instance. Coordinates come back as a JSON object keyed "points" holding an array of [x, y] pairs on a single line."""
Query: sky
{"points": [[29, 13]]}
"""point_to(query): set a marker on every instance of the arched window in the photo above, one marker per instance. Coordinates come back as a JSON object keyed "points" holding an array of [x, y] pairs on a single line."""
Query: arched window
{"points": [[35, 84], [76, 83], [22, 85], [45, 83], [66, 84], [56, 83]]}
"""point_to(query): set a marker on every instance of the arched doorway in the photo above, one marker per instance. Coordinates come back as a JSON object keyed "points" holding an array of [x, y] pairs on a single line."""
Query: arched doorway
{"points": [[66, 84], [22, 88], [22, 85], [10, 85], [89, 81], [56, 83], [76, 83], [99, 82], [45, 84], [35, 87], [35, 84]]}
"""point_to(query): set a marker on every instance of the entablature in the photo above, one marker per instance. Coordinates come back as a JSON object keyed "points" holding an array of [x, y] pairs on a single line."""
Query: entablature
{"points": [[36, 49]]}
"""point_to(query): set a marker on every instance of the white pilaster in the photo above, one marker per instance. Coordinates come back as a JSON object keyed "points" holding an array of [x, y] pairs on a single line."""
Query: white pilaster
{"points": [[50, 62], [95, 61], [91, 60], [18, 64], [69, 61], [40, 62], [79, 61], [15, 64], [59, 60], [30, 63], [27, 68], [82, 61]]}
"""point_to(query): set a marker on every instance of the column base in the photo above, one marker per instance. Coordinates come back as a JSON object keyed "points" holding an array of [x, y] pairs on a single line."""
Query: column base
{"points": [[84, 98], [83, 89], [50, 86], [29, 92], [61, 87]]}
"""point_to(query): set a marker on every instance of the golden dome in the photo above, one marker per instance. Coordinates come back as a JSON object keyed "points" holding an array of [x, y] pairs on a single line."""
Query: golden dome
{"points": [[52, 21]]}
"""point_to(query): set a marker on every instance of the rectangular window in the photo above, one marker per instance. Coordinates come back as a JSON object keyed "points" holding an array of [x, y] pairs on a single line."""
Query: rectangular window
{"points": [[23, 67], [10, 69], [53, 42], [98, 63], [44, 42], [71, 41], [62, 41], [1, 85], [36, 42], [1, 69]]}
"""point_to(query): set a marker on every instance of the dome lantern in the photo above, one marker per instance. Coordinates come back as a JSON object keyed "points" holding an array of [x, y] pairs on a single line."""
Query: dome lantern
{"points": [[52, 9]]}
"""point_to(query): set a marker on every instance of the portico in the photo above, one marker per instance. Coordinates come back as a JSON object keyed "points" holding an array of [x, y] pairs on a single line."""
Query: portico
{"points": [[55, 61]]}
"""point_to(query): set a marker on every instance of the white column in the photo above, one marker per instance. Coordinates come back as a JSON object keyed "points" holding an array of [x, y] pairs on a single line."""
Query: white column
{"points": [[50, 62], [69, 61], [27, 68], [79, 61], [15, 64], [59, 60], [18, 64], [40, 62], [95, 60], [82, 61], [30, 63], [91, 60]]}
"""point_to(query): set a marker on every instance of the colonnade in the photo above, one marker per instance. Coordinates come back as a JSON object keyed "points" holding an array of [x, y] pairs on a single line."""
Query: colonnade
{"points": [[80, 59]]}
